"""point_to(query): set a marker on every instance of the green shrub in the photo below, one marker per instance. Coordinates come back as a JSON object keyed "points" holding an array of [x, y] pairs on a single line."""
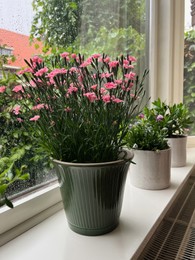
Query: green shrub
{"points": [[189, 74]]}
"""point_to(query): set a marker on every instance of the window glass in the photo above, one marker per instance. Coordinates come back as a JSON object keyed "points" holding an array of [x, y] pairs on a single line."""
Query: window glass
{"points": [[5, 51], [189, 60], [46, 27]]}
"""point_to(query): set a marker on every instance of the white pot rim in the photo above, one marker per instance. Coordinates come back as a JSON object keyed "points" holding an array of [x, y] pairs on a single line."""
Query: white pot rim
{"points": [[177, 136], [151, 151]]}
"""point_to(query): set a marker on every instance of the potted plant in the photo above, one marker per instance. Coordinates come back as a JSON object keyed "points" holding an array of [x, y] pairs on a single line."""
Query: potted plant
{"points": [[152, 155], [176, 119], [79, 111]]}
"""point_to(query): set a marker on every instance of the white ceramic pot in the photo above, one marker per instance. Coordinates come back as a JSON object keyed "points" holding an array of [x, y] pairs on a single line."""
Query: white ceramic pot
{"points": [[178, 150], [151, 169]]}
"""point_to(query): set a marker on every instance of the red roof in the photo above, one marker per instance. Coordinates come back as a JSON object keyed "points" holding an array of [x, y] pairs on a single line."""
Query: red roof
{"points": [[22, 49]]}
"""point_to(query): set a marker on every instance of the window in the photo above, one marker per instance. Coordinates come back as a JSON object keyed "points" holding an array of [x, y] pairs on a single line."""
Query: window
{"points": [[5, 51], [117, 27], [146, 25]]}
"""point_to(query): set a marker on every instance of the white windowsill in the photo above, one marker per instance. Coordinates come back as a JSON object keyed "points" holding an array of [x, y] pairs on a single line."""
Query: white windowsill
{"points": [[52, 239], [29, 210]]}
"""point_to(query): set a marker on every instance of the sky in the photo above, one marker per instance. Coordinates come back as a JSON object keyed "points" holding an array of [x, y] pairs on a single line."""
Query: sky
{"points": [[187, 14], [17, 15]]}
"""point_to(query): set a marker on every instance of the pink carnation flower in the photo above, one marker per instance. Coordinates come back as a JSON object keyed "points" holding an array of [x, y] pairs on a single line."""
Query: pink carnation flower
{"points": [[18, 88], [110, 85], [106, 75], [96, 55], [42, 71], [35, 118], [106, 98], [2, 89], [73, 69], [130, 75], [16, 110], [64, 54], [128, 66], [73, 55], [38, 107], [85, 64], [118, 81], [125, 62], [132, 58], [72, 89], [37, 59], [94, 87], [102, 90], [113, 64], [91, 96], [116, 100], [106, 60]]}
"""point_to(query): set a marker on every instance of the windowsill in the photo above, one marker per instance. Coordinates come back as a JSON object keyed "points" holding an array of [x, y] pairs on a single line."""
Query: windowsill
{"points": [[52, 239]]}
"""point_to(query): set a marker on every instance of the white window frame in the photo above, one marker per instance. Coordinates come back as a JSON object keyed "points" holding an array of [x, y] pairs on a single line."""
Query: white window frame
{"points": [[166, 42], [165, 81], [166, 55]]}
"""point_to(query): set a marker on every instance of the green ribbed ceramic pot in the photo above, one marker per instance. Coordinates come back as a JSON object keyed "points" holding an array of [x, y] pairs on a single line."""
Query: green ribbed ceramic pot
{"points": [[92, 194]]}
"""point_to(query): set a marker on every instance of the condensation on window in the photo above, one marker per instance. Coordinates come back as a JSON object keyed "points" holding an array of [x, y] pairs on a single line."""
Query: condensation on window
{"points": [[16, 15], [38, 179]]}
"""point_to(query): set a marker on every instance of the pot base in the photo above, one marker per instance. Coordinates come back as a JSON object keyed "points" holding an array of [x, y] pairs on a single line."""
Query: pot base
{"points": [[93, 232]]}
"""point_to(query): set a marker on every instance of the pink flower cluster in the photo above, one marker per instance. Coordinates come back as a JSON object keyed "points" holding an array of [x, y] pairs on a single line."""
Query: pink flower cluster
{"points": [[107, 99], [94, 79], [35, 60], [54, 73], [72, 89]]}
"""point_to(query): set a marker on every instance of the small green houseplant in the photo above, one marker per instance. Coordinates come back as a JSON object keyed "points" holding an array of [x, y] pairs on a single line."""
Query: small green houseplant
{"points": [[151, 152], [176, 119], [145, 134], [79, 111]]}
